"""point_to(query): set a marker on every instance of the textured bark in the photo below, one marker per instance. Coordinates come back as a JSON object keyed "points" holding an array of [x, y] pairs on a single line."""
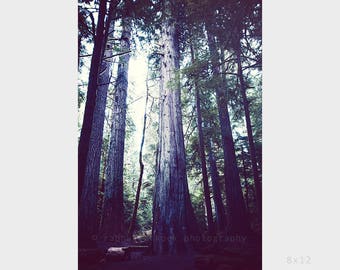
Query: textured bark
{"points": [[88, 219], [237, 218], [205, 180], [252, 151], [141, 168], [84, 140], [113, 210], [173, 216], [219, 207], [100, 202]]}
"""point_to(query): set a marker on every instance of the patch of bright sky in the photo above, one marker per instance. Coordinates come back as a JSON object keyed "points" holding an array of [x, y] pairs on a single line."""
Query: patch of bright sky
{"points": [[137, 75]]}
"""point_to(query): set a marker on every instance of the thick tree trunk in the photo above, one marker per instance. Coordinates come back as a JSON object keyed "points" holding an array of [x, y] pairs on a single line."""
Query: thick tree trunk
{"points": [[219, 207], [88, 219], [84, 140], [243, 86], [237, 218], [205, 180], [113, 210], [141, 168], [173, 216]]}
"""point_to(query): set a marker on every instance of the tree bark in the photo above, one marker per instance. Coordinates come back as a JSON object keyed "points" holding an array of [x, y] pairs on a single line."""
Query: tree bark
{"points": [[84, 140], [237, 218], [243, 89], [88, 218], [205, 180], [245, 176], [173, 216], [219, 207], [113, 210], [100, 203]]}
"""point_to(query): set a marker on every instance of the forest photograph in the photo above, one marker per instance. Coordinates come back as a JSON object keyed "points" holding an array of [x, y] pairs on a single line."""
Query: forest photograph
{"points": [[169, 134]]}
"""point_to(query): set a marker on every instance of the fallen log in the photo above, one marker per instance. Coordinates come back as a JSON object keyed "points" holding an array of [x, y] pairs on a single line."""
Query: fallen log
{"points": [[125, 253], [116, 254]]}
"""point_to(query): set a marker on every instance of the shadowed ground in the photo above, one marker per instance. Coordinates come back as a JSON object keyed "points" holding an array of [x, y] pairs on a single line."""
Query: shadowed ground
{"points": [[148, 262]]}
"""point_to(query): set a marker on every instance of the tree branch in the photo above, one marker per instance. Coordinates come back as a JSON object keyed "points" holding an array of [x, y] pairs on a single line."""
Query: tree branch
{"points": [[118, 54]]}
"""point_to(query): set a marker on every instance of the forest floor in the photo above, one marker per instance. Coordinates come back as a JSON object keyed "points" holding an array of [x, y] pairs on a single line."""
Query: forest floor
{"points": [[211, 257], [188, 262], [208, 261], [147, 262]]}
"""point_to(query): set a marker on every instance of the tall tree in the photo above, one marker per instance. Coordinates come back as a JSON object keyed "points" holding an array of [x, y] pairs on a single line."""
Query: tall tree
{"points": [[84, 140], [245, 18], [113, 209], [205, 180], [173, 216], [219, 207], [243, 88], [236, 211], [88, 220]]}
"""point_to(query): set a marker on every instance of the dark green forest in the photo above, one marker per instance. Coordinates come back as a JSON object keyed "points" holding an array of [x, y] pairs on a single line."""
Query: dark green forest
{"points": [[170, 134]]}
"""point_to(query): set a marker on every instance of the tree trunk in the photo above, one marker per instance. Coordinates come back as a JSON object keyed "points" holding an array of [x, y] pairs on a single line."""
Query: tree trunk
{"points": [[245, 176], [237, 218], [141, 166], [102, 182], [173, 216], [219, 207], [206, 188], [88, 219], [84, 140], [113, 210], [243, 86]]}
